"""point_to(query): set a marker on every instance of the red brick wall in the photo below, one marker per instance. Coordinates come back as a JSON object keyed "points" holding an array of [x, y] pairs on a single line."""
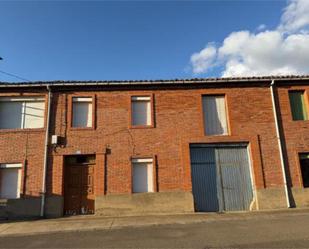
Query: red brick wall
{"points": [[296, 133], [178, 122], [18, 146]]}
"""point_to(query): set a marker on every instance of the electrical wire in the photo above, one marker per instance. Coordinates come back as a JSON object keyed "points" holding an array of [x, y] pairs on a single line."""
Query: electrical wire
{"points": [[14, 75]]}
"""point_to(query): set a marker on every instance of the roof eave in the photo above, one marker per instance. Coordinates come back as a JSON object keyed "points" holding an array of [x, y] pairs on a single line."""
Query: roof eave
{"points": [[159, 82]]}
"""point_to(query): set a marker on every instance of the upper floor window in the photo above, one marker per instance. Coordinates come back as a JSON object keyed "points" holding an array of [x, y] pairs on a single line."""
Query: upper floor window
{"points": [[82, 112], [10, 180], [298, 105], [22, 113], [214, 112], [141, 111]]}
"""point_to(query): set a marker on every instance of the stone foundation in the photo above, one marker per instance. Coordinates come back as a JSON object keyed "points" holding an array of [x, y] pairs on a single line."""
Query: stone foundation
{"points": [[271, 198], [22, 208], [54, 206], [144, 203], [301, 197]]}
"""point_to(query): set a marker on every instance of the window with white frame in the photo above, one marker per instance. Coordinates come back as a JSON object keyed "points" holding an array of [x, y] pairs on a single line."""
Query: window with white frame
{"points": [[10, 180], [22, 112], [142, 175], [82, 112], [214, 111], [141, 110]]}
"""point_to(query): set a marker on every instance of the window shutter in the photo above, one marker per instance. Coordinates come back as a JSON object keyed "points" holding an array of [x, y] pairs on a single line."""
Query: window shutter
{"points": [[22, 112], [10, 178], [89, 118], [141, 112], [142, 176], [150, 177], [33, 114], [82, 113], [11, 115]]}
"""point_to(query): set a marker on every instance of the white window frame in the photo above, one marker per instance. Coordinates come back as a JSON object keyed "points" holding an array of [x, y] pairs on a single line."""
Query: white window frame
{"points": [[150, 173], [147, 99], [23, 111], [18, 166]]}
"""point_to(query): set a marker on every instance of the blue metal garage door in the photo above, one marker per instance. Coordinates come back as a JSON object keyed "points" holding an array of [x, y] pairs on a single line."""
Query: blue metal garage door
{"points": [[221, 178]]}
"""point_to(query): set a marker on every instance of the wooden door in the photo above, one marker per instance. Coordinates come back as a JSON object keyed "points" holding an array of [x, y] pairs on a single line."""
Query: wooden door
{"points": [[87, 196], [79, 189]]}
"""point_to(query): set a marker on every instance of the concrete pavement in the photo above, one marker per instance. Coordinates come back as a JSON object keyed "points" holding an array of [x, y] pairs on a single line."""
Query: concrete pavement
{"points": [[288, 229], [89, 223]]}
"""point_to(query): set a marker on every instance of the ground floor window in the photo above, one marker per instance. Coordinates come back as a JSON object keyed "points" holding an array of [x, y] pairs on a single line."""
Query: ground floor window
{"points": [[304, 164], [142, 175], [10, 179]]}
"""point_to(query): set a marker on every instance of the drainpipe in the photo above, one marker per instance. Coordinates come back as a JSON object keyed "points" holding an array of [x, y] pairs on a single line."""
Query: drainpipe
{"points": [[43, 193], [279, 139]]}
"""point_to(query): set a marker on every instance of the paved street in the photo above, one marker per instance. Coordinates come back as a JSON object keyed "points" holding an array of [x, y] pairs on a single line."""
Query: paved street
{"points": [[268, 230]]}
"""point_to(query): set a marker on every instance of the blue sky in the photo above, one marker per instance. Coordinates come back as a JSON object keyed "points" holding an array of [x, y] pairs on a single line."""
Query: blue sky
{"points": [[123, 40]]}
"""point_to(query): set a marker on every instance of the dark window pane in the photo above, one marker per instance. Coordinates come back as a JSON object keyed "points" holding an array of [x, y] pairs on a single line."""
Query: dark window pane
{"points": [[304, 164], [298, 105]]}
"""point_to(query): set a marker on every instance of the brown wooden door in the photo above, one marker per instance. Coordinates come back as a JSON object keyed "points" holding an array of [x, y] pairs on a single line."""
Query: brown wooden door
{"points": [[79, 191], [87, 197]]}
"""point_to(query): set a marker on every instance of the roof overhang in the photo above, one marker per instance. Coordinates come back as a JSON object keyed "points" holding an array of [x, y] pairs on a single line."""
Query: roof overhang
{"points": [[175, 82]]}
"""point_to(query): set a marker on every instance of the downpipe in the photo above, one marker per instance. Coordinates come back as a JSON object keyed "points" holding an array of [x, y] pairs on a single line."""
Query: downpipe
{"points": [[43, 192], [279, 139]]}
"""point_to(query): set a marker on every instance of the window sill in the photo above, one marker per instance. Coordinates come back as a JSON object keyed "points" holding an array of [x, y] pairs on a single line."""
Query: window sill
{"points": [[141, 127], [142, 193], [22, 130], [300, 120], [81, 128], [220, 135]]}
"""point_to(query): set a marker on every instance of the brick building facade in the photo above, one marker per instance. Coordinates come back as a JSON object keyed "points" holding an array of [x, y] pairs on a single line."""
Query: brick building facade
{"points": [[111, 155]]}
